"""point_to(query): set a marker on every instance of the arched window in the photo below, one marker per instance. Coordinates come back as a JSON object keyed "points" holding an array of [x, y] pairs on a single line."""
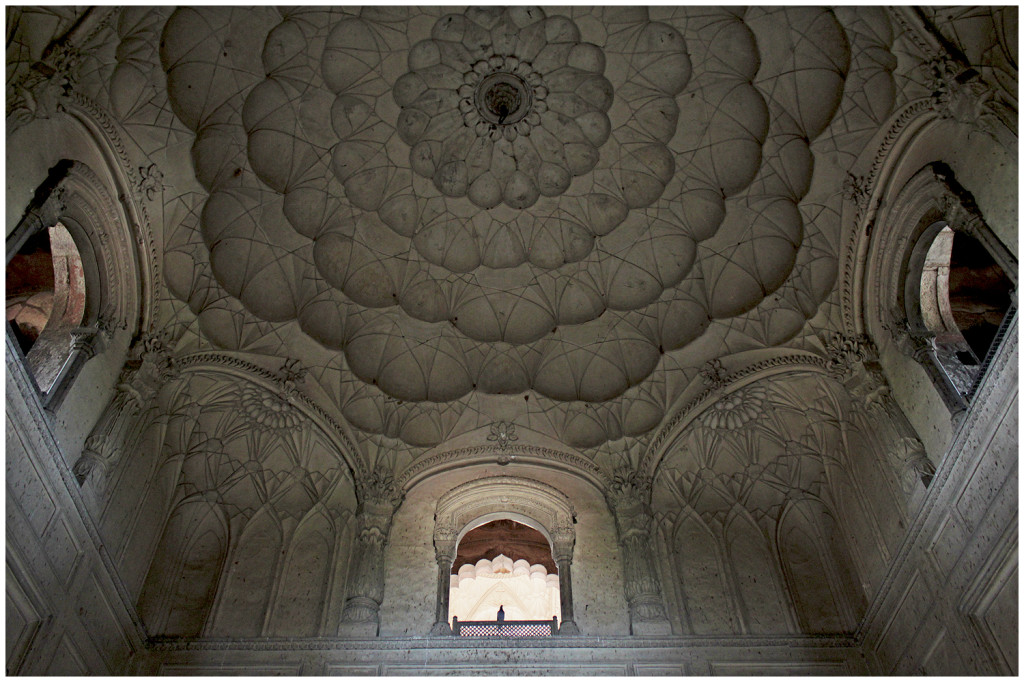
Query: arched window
{"points": [[944, 283], [46, 296], [70, 278], [963, 299]]}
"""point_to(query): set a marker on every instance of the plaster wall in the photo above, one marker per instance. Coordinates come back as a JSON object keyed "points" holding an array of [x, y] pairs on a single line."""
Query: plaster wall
{"points": [[948, 605], [410, 579], [66, 613]]}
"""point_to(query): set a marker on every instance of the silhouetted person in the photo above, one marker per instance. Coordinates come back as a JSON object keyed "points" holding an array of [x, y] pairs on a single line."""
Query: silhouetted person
{"points": [[501, 613]]}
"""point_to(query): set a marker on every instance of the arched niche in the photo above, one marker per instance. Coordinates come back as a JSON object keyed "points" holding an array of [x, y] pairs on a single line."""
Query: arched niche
{"points": [[527, 501]]}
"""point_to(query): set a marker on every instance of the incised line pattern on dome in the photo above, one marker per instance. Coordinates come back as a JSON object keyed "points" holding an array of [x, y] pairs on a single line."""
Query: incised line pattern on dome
{"points": [[576, 207]]}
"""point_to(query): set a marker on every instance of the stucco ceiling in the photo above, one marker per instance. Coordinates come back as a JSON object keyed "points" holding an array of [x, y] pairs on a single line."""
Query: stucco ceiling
{"points": [[552, 218]]}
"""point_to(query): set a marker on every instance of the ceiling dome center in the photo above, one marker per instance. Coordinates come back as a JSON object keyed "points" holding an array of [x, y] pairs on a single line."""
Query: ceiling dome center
{"points": [[503, 98]]}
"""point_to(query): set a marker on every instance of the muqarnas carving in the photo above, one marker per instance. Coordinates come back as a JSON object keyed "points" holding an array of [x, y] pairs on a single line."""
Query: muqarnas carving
{"points": [[501, 201]]}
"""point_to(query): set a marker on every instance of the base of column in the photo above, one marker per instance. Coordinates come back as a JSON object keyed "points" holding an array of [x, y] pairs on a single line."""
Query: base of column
{"points": [[441, 630], [650, 628], [568, 628], [358, 629]]}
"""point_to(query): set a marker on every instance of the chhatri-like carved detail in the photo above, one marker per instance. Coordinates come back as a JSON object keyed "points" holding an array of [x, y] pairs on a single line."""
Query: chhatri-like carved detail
{"points": [[713, 374], [857, 188], [151, 181]]}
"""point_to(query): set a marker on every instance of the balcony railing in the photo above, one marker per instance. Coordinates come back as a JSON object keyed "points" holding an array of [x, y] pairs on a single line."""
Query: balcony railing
{"points": [[505, 628]]}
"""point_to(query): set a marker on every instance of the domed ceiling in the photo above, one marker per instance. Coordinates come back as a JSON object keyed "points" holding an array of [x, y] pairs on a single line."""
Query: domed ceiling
{"points": [[552, 217]]}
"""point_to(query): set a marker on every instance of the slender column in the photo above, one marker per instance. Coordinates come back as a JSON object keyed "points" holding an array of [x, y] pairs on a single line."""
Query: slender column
{"points": [[444, 552], [379, 500], [568, 626], [444, 584], [627, 496], [563, 542]]}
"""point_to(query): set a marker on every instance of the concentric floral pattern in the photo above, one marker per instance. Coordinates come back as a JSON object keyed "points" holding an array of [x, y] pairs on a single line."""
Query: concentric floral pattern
{"points": [[475, 106], [576, 206]]}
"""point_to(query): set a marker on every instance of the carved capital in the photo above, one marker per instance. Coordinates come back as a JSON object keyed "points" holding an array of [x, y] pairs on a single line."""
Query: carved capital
{"points": [[713, 374], [149, 367], [378, 489], [44, 90], [909, 458], [846, 352], [961, 215], [563, 541], [445, 538], [959, 93], [629, 494]]}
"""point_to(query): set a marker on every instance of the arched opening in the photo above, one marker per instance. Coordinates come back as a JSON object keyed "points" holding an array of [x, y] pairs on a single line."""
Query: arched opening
{"points": [[46, 300], [529, 503], [964, 298], [508, 565]]}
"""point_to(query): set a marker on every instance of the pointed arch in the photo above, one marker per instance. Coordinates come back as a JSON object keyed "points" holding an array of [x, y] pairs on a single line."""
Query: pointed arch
{"points": [[807, 568], [707, 599], [245, 594], [302, 590], [763, 602], [185, 571]]}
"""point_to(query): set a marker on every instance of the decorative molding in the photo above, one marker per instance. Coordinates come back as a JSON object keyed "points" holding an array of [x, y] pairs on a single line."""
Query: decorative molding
{"points": [[652, 455], [530, 454], [680, 643], [503, 433], [918, 112], [214, 361], [105, 131]]}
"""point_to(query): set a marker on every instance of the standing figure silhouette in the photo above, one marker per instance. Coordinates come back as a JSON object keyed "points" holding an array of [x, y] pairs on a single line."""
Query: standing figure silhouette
{"points": [[501, 613]]}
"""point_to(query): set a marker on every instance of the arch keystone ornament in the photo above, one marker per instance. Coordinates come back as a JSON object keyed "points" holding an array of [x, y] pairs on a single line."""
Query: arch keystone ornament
{"points": [[504, 497]]}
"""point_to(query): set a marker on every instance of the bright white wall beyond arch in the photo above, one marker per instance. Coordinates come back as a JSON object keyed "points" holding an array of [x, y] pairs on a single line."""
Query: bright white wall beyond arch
{"points": [[526, 592]]}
